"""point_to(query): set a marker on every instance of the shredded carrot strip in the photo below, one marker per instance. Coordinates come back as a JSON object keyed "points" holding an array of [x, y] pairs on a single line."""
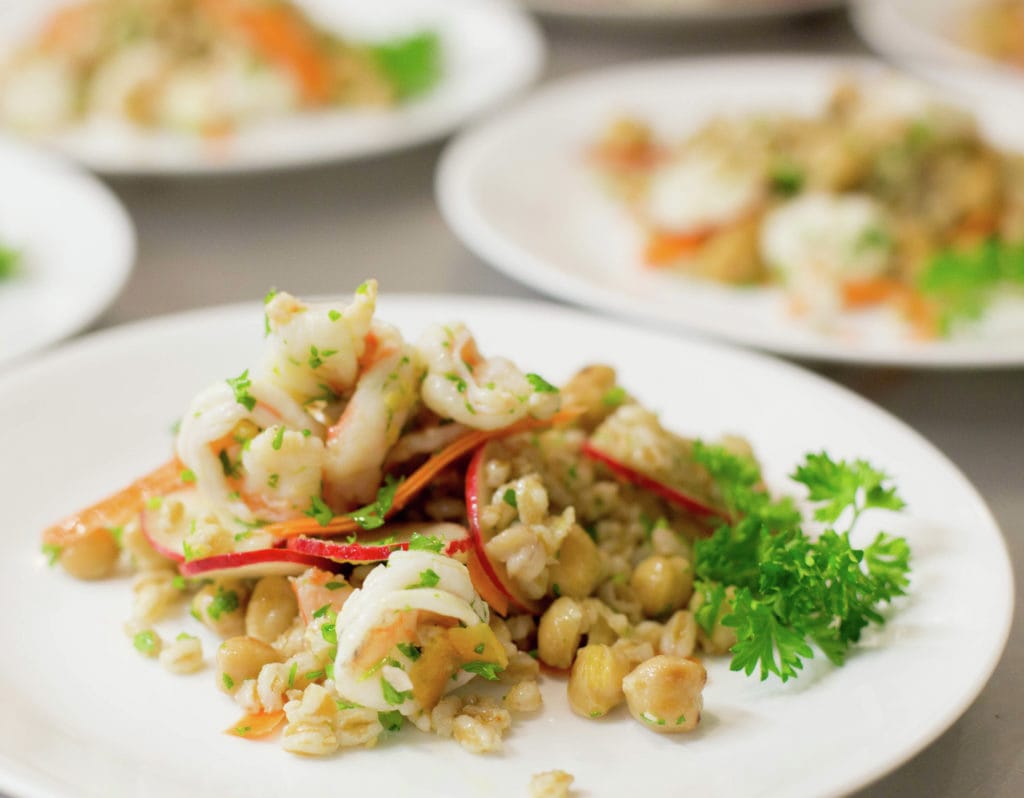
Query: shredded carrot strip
{"points": [[418, 480], [118, 509], [873, 291], [66, 26], [284, 38], [261, 724], [665, 248], [922, 315]]}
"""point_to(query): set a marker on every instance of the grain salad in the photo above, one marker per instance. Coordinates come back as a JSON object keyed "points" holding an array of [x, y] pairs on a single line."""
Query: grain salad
{"points": [[388, 533]]}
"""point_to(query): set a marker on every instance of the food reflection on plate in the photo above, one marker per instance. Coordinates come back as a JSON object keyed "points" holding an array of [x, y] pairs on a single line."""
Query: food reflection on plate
{"points": [[888, 197], [201, 66], [380, 527]]}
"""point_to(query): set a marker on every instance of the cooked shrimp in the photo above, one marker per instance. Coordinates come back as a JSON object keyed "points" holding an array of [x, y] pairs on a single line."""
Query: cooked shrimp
{"points": [[425, 441], [388, 612], [283, 468], [385, 396], [313, 351], [211, 438], [480, 393]]}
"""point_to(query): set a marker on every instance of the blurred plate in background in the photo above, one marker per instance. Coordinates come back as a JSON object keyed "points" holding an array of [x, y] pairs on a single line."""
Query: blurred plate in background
{"points": [[694, 11], [928, 37], [490, 50], [520, 192], [75, 247]]}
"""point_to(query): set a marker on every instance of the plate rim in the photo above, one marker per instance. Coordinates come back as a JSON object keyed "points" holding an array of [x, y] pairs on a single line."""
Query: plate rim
{"points": [[458, 165], [502, 12], [922, 47], [21, 783], [67, 171], [650, 14]]}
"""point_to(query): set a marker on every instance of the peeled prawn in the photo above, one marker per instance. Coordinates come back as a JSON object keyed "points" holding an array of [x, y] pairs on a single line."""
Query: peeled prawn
{"points": [[481, 393], [313, 351], [385, 396]]}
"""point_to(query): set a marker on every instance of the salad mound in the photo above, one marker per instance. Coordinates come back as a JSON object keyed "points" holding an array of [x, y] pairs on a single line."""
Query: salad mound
{"points": [[202, 66], [375, 529], [886, 199]]}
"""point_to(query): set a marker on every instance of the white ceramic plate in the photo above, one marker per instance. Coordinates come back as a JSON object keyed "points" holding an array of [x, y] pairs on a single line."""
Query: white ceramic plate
{"points": [[688, 11], [920, 35], [84, 715], [519, 191], [491, 51], [76, 245]]}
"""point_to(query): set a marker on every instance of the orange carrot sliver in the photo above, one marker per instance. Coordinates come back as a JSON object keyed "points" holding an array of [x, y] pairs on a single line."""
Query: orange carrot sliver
{"points": [[118, 509], [460, 447], [665, 248], [862, 293], [261, 724]]}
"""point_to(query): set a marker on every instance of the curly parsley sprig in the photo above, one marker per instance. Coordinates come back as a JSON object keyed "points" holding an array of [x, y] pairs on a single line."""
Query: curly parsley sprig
{"points": [[781, 589]]}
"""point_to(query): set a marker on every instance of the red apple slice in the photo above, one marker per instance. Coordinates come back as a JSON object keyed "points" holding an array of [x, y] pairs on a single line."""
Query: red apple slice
{"points": [[671, 494], [256, 563], [167, 540], [494, 571], [371, 546]]}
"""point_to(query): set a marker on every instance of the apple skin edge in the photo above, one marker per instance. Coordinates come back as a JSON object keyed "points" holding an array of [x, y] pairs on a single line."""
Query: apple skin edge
{"points": [[473, 485], [677, 497], [260, 562], [457, 540]]}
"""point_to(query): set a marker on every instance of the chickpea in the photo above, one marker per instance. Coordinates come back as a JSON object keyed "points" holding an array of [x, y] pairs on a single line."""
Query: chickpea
{"points": [[241, 658], [593, 391], [561, 628], [722, 638], [221, 607], [679, 635], [662, 584], [90, 555], [664, 693], [578, 569], [595, 682], [271, 609]]}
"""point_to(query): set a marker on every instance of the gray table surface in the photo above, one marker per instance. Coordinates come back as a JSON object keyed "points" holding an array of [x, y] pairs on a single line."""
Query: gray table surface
{"points": [[220, 240]]}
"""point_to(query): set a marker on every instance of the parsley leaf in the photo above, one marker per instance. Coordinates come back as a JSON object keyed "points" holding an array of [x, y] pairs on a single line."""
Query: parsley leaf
{"points": [[10, 262], [319, 511], [372, 515], [391, 695], [420, 542], [391, 721], [489, 670], [789, 590], [240, 385], [428, 578], [540, 385], [412, 65], [962, 282], [226, 601], [841, 486]]}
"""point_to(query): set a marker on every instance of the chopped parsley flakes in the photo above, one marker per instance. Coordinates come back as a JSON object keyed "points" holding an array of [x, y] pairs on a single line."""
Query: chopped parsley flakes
{"points": [[489, 670], [540, 385], [420, 542], [319, 511], [240, 385]]}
